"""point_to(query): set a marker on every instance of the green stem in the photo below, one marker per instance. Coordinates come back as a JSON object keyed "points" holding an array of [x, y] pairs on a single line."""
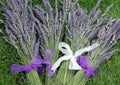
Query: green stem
{"points": [[78, 79], [34, 78]]}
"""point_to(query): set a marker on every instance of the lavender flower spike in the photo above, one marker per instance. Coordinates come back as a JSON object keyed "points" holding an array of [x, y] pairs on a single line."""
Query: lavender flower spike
{"points": [[83, 62]]}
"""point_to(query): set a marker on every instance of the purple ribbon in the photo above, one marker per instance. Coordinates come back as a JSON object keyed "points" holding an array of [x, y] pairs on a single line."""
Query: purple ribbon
{"points": [[38, 64], [83, 62]]}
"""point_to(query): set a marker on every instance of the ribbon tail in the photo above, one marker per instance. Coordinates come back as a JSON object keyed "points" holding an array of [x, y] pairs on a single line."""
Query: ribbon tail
{"points": [[83, 62], [91, 71], [86, 49], [74, 65], [27, 68], [58, 62], [95, 71], [51, 73], [16, 68]]}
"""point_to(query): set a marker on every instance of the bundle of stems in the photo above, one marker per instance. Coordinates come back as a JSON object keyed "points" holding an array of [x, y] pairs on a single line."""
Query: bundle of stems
{"points": [[50, 24], [84, 29], [20, 32], [73, 25]]}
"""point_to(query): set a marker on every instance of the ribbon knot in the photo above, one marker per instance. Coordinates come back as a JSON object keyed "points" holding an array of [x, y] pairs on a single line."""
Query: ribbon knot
{"points": [[65, 49]]}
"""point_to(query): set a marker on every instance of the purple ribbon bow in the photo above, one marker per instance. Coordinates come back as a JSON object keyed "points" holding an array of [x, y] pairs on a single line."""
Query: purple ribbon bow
{"points": [[38, 64], [83, 62]]}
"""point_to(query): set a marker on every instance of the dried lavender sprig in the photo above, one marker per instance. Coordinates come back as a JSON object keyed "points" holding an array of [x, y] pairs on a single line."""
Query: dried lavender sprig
{"points": [[19, 27], [110, 39], [49, 24], [89, 32], [79, 27]]}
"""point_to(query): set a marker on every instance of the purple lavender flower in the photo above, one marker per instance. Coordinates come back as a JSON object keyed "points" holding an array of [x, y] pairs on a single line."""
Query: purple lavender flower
{"points": [[83, 62]]}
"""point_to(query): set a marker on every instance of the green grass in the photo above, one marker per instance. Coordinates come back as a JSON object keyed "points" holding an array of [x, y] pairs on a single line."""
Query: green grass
{"points": [[114, 11], [7, 57], [109, 71]]}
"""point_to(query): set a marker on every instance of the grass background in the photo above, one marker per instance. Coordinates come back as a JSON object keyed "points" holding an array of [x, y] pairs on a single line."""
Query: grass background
{"points": [[109, 72]]}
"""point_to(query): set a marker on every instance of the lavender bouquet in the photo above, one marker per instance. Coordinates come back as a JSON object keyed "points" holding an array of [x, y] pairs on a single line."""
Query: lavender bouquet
{"points": [[58, 34], [79, 30], [50, 24], [20, 32], [86, 29]]}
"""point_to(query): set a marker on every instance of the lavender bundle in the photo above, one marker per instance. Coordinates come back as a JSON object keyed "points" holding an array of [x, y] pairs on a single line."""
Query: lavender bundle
{"points": [[20, 32], [80, 30], [23, 24], [50, 27], [86, 39], [84, 30]]}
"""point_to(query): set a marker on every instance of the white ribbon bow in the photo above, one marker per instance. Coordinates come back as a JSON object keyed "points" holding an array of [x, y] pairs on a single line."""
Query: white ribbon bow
{"points": [[65, 49]]}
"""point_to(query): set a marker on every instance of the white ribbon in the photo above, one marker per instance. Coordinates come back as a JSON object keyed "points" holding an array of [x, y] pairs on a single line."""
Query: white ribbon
{"points": [[65, 49]]}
